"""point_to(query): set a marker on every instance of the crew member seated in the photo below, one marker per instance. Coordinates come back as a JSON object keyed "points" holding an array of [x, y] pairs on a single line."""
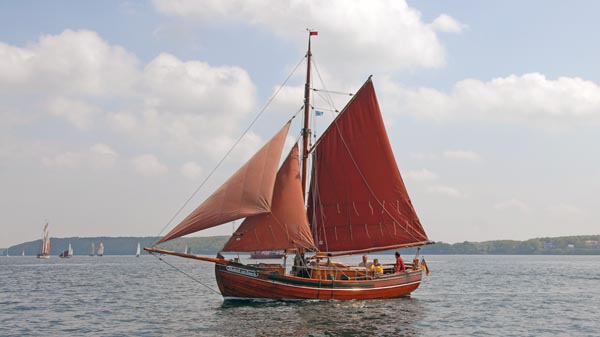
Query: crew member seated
{"points": [[376, 268]]}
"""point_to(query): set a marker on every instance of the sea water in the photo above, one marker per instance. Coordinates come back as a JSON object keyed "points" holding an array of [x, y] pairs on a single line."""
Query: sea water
{"points": [[463, 296]]}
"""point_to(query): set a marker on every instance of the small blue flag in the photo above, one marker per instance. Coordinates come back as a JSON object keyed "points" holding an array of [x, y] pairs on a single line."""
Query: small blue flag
{"points": [[318, 113]]}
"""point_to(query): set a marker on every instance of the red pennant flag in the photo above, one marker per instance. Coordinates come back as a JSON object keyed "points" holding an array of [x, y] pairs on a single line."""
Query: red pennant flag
{"points": [[314, 33]]}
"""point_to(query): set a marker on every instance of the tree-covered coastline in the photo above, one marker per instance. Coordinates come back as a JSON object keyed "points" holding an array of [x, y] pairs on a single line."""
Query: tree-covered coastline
{"points": [[564, 245]]}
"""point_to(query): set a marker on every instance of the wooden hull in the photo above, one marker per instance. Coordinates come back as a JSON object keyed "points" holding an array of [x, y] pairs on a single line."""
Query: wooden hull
{"points": [[246, 282]]}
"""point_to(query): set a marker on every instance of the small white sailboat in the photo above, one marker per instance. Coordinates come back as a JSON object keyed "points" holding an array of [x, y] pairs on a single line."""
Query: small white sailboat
{"points": [[92, 249], [67, 253], [137, 252], [23, 252], [100, 249]]}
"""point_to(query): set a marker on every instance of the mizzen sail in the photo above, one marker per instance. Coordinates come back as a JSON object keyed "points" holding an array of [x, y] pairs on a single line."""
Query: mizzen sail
{"points": [[286, 226], [248, 192], [357, 199]]}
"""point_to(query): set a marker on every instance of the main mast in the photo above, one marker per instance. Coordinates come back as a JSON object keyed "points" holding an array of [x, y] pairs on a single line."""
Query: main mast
{"points": [[306, 129]]}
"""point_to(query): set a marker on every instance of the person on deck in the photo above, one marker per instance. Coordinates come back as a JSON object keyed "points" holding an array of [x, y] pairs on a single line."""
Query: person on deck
{"points": [[399, 263], [376, 267]]}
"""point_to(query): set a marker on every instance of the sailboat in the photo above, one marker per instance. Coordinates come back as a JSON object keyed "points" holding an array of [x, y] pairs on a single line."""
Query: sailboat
{"points": [[356, 203], [100, 249], [67, 253], [23, 252], [187, 250], [137, 252], [92, 249], [45, 249]]}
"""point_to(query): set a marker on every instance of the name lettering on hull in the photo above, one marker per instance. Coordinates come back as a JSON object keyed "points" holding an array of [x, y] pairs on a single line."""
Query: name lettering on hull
{"points": [[241, 271]]}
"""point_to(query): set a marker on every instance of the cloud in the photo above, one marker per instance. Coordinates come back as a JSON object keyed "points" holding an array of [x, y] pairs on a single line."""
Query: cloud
{"points": [[512, 204], [99, 157], [77, 112], [191, 170], [70, 63], [380, 35], [446, 190], [67, 160], [103, 156], [420, 175], [462, 155], [148, 165], [530, 99], [170, 105], [447, 24]]}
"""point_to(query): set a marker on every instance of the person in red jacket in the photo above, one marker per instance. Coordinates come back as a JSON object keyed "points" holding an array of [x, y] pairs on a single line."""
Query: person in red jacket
{"points": [[399, 263]]}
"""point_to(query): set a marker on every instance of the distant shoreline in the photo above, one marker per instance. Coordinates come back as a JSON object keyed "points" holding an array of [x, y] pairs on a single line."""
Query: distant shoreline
{"points": [[564, 245]]}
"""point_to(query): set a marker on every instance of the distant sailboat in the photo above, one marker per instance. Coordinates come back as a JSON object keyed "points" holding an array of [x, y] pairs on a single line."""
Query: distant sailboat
{"points": [[187, 249], [45, 251], [67, 253], [23, 252], [92, 249], [137, 252], [100, 249]]}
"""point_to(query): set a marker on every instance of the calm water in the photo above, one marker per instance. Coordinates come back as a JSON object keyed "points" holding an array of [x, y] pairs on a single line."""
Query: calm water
{"points": [[464, 296]]}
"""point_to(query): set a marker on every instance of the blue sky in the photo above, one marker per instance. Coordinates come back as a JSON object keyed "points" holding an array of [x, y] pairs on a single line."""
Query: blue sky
{"points": [[113, 112]]}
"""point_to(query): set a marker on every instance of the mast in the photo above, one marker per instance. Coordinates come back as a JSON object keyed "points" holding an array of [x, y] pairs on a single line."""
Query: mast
{"points": [[306, 130]]}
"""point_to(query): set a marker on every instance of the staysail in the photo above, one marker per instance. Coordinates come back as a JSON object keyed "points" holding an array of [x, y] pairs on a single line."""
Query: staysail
{"points": [[357, 199], [286, 226], [248, 192]]}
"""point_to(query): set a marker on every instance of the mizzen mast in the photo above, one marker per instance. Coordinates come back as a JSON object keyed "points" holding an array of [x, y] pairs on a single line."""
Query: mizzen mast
{"points": [[306, 130]]}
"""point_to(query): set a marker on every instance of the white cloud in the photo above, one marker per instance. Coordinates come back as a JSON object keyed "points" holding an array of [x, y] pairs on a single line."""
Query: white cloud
{"points": [[385, 35], [168, 105], [67, 160], [70, 63], [77, 112], [446, 190], [447, 24], [99, 156], [148, 165], [103, 156], [420, 175], [191, 170], [512, 204], [530, 99], [462, 155]]}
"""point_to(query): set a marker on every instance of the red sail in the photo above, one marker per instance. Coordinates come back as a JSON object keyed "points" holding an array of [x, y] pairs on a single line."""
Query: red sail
{"points": [[286, 226], [248, 192], [357, 199]]}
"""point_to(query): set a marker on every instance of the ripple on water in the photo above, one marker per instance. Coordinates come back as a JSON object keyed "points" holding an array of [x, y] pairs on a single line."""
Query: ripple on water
{"points": [[465, 295]]}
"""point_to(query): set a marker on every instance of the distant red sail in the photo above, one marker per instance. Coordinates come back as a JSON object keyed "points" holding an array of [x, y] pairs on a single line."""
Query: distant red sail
{"points": [[357, 199], [248, 192], [286, 226]]}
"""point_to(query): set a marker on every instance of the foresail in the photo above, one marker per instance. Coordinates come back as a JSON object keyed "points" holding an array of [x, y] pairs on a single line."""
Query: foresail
{"points": [[248, 192], [286, 226], [357, 199]]}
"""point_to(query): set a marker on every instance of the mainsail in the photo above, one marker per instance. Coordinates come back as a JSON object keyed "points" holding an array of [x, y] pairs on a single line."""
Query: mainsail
{"points": [[286, 226], [248, 192], [357, 199], [45, 241]]}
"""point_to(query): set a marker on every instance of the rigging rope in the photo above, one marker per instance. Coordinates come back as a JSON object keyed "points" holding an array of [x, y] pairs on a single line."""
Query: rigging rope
{"points": [[232, 147], [186, 274]]}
